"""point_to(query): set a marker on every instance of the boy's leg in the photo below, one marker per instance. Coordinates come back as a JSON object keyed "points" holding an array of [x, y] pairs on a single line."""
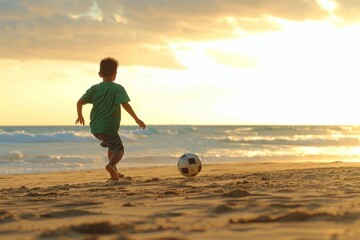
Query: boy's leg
{"points": [[116, 148], [110, 156], [111, 167]]}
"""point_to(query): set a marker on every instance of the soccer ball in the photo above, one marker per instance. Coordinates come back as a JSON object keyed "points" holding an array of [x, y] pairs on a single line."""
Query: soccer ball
{"points": [[189, 164]]}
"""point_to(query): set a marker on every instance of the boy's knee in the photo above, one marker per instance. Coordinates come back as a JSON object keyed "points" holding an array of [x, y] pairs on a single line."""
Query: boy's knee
{"points": [[109, 166]]}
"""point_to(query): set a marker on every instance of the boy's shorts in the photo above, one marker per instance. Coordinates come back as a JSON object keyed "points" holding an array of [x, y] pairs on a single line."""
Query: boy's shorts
{"points": [[113, 143]]}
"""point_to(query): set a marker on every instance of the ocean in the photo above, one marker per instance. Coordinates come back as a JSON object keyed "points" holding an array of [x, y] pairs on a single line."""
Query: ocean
{"points": [[61, 148]]}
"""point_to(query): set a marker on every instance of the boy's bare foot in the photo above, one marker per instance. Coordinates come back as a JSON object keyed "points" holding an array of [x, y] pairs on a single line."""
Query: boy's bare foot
{"points": [[120, 174], [113, 173]]}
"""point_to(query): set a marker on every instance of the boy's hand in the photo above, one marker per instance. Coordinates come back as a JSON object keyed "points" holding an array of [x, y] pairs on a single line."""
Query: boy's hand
{"points": [[80, 120], [129, 109], [140, 123]]}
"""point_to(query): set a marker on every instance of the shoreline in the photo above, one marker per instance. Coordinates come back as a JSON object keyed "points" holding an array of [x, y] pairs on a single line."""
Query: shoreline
{"points": [[167, 171]]}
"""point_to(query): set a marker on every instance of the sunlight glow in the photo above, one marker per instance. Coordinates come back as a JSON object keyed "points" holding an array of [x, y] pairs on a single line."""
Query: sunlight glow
{"points": [[328, 5], [315, 62]]}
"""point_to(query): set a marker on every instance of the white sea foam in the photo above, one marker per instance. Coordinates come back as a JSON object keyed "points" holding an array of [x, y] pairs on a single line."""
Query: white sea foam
{"points": [[13, 155], [25, 137], [62, 136]]}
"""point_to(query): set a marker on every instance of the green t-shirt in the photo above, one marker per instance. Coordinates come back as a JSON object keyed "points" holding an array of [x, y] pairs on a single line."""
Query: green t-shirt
{"points": [[105, 115]]}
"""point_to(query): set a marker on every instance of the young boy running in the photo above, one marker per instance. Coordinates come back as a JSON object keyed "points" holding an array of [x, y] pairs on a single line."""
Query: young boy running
{"points": [[105, 115]]}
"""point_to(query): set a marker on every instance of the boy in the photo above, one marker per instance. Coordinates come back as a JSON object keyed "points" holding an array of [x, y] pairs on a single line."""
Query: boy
{"points": [[105, 116]]}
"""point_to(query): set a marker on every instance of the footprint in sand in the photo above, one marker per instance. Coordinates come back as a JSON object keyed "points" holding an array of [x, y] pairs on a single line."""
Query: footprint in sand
{"points": [[238, 193], [37, 194], [6, 217], [77, 204], [212, 185], [67, 213], [301, 216], [22, 189], [222, 208], [169, 193], [101, 228], [129, 204], [95, 228]]}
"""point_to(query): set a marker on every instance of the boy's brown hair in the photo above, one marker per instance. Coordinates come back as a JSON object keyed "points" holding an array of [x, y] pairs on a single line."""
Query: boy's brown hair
{"points": [[108, 66]]}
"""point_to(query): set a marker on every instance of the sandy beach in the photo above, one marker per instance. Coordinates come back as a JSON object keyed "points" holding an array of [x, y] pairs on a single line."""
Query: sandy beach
{"points": [[229, 201]]}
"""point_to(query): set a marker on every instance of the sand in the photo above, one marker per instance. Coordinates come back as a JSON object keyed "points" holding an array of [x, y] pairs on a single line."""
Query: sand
{"points": [[230, 201]]}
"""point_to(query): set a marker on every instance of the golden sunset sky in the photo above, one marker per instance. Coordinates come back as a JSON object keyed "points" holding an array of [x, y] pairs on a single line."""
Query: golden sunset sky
{"points": [[182, 61]]}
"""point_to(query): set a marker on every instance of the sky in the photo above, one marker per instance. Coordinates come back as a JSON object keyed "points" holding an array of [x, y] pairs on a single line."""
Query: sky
{"points": [[183, 62]]}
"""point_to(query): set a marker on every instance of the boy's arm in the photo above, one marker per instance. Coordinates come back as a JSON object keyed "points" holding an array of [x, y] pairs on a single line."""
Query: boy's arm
{"points": [[80, 118], [129, 109]]}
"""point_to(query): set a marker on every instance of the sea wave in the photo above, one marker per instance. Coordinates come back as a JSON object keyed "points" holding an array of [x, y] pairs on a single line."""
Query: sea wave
{"points": [[26, 137], [19, 156], [61, 136], [292, 141], [12, 156]]}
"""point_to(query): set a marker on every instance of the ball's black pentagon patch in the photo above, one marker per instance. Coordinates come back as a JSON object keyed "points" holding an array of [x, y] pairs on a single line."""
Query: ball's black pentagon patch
{"points": [[185, 170], [199, 168], [184, 155], [191, 161]]}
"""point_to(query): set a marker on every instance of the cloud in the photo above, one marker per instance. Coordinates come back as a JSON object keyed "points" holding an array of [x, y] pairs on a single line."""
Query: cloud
{"points": [[26, 9], [137, 32], [349, 10]]}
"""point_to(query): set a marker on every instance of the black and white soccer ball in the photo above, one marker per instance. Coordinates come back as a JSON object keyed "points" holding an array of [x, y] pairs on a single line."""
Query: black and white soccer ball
{"points": [[189, 164]]}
